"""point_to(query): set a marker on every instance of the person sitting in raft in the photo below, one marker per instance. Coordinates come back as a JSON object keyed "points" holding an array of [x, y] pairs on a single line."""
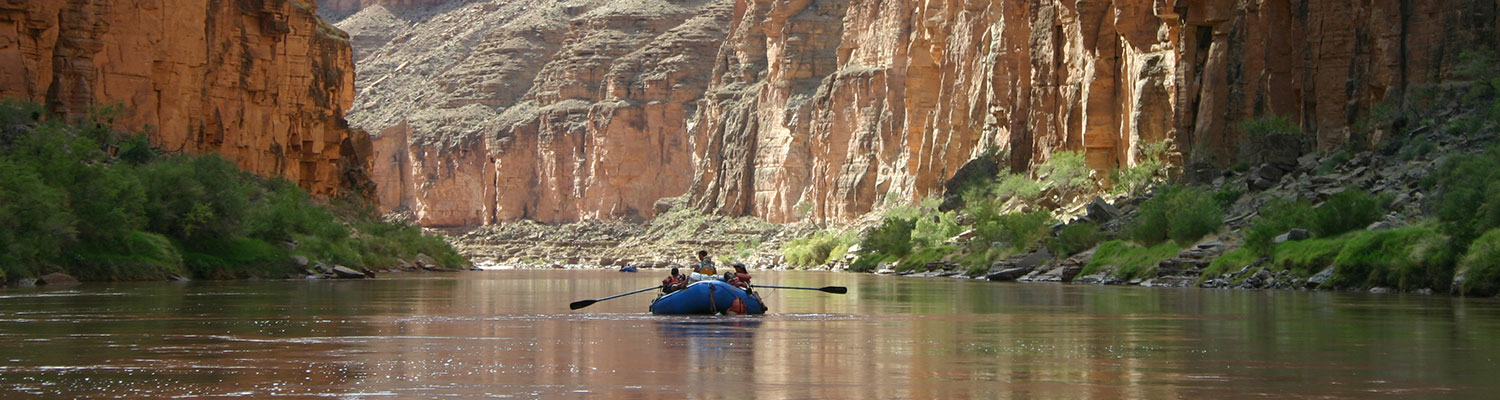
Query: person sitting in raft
{"points": [[740, 278], [673, 282], [704, 269]]}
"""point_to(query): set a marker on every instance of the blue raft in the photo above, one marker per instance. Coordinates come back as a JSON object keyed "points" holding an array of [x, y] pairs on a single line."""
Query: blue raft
{"points": [[706, 298]]}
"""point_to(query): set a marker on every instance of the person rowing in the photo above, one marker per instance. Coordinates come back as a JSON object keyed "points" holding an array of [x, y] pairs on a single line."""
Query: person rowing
{"points": [[674, 282], [704, 268]]}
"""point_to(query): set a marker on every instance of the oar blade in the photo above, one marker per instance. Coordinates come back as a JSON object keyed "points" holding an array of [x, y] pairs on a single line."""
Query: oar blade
{"points": [[581, 304], [835, 289]]}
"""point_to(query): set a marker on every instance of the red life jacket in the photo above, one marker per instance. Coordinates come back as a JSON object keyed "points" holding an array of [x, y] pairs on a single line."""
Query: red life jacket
{"points": [[739, 280], [736, 308]]}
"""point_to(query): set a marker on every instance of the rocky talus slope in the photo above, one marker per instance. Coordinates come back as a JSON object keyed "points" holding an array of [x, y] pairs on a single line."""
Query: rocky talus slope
{"points": [[563, 111], [262, 82]]}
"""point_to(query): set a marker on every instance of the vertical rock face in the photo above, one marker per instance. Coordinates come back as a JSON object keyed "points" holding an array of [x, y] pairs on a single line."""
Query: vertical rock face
{"points": [[591, 109], [840, 105], [263, 82], [555, 111]]}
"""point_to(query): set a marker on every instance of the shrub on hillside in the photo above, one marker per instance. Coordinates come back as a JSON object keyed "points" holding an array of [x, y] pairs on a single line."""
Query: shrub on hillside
{"points": [[817, 249], [1467, 188], [1075, 238], [1480, 268], [1012, 186], [1066, 171], [1277, 216], [1133, 179], [1267, 124], [1346, 211], [891, 238], [1179, 213], [101, 205]]}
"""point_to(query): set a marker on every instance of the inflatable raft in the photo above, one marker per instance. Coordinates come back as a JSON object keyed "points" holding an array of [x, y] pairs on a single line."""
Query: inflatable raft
{"points": [[707, 298]]}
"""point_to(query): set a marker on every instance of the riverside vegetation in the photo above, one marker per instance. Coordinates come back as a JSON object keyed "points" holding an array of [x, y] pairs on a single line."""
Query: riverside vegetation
{"points": [[1405, 205], [86, 200]]}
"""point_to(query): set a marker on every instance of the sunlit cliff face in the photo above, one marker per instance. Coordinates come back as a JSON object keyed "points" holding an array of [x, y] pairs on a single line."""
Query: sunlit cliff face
{"points": [[264, 83], [499, 110]]}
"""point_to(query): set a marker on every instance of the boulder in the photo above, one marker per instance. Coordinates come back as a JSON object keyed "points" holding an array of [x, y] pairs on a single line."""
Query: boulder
{"points": [[1308, 161], [1007, 274], [1256, 184], [1292, 236], [1401, 200], [1101, 211], [1380, 226], [343, 272], [57, 279], [424, 260], [1320, 277], [300, 260]]}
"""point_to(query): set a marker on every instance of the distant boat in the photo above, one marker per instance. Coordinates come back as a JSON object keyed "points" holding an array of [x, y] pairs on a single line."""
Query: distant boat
{"points": [[708, 298], [628, 269]]}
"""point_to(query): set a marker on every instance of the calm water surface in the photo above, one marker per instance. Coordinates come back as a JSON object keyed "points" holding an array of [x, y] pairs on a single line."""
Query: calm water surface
{"points": [[509, 334]]}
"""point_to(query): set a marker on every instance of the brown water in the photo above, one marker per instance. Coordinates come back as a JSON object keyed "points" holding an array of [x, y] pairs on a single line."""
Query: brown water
{"points": [[509, 334]]}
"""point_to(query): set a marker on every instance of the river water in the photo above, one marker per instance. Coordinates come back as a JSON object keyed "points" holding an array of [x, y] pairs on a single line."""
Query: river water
{"points": [[509, 334]]}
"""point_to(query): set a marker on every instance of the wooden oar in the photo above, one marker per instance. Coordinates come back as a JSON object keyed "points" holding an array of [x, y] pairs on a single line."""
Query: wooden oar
{"points": [[825, 289], [585, 303]]}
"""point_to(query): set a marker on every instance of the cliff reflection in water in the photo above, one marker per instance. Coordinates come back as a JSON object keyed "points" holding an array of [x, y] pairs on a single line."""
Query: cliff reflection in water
{"points": [[474, 335]]}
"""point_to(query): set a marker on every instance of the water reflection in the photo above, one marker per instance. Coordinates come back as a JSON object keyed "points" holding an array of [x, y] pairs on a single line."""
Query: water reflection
{"points": [[495, 334]]}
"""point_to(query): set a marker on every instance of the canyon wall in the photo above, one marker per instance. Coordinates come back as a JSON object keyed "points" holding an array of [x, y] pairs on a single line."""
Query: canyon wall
{"points": [[790, 109], [263, 82], [555, 111]]}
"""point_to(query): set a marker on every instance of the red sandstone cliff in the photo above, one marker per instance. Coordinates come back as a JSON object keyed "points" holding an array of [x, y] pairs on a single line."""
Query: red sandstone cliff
{"points": [[263, 82], [533, 109], [575, 110]]}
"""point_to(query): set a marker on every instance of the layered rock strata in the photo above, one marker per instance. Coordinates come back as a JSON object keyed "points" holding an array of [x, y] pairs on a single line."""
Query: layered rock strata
{"points": [[793, 109], [263, 82], [544, 110]]}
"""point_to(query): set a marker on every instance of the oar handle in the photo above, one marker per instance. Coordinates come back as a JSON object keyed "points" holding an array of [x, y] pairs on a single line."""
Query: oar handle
{"points": [[825, 289]]}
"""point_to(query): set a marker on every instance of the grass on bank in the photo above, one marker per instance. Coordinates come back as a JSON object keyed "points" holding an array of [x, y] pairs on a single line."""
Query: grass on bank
{"points": [[84, 199]]}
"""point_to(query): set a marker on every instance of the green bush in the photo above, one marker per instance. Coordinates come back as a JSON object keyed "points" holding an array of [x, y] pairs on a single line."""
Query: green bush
{"points": [[1416, 148], [935, 228], [35, 223], [892, 237], [1467, 195], [137, 256], [103, 205], [1332, 161], [1075, 238], [1128, 260], [1268, 124], [1067, 171], [1346, 211], [1132, 180], [817, 249], [1226, 197], [1481, 266], [1012, 185], [1409, 258], [918, 260], [1179, 213], [237, 258], [868, 262], [1276, 217]]}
